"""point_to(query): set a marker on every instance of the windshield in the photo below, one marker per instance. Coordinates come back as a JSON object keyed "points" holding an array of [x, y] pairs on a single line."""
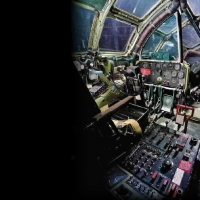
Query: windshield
{"points": [[138, 8], [81, 22], [115, 35], [163, 43], [115, 27]]}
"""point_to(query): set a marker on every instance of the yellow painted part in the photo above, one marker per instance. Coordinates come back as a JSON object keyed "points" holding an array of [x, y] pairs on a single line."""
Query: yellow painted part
{"points": [[186, 66], [134, 124], [108, 97]]}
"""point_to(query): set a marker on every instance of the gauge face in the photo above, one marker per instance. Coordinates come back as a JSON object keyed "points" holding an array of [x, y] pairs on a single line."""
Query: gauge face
{"points": [[174, 73], [170, 66], [145, 65], [177, 67], [180, 75], [166, 73], [173, 80], [164, 66], [158, 66]]}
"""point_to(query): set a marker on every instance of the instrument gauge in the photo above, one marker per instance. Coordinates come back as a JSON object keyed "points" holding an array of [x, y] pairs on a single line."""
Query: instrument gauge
{"points": [[145, 65], [173, 80], [164, 66], [177, 67], [170, 66], [174, 73], [158, 66], [180, 74], [166, 73]]}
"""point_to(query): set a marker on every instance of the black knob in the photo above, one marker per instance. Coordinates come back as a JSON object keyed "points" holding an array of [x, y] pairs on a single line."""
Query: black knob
{"points": [[193, 141], [167, 164]]}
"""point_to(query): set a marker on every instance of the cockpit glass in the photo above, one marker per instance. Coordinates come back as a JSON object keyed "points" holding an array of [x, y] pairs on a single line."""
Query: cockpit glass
{"points": [[195, 6], [151, 44], [163, 43], [139, 8], [190, 37], [171, 49], [115, 35], [168, 25], [80, 29]]}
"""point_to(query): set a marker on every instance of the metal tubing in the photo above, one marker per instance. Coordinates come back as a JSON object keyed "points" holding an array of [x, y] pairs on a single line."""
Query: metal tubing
{"points": [[191, 51], [183, 4], [163, 87]]}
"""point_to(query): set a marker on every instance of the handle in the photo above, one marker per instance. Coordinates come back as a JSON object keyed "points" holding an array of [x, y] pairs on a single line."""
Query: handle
{"points": [[178, 106]]}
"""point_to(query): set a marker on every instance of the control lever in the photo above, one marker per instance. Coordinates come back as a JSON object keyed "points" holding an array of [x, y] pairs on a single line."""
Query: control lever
{"points": [[166, 123], [180, 119]]}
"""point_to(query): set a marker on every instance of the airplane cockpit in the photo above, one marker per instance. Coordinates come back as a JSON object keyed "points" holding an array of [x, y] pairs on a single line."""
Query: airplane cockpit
{"points": [[136, 126]]}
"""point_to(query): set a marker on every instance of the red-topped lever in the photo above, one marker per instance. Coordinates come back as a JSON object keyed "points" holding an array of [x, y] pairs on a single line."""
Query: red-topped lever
{"points": [[181, 118], [178, 106]]}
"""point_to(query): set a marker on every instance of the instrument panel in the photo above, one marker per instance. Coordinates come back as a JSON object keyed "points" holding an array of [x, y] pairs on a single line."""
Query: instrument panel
{"points": [[164, 73], [159, 167]]}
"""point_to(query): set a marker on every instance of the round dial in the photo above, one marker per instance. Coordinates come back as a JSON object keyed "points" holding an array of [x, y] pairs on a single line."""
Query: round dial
{"points": [[177, 67], [174, 73], [164, 66], [145, 65], [166, 73], [173, 80], [180, 74], [157, 66], [170, 66]]}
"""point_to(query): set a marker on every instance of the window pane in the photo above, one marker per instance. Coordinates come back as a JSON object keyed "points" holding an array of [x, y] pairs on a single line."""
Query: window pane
{"points": [[195, 6], [81, 22], [168, 25], [170, 48], [190, 37], [136, 7], [115, 35], [155, 50], [151, 45]]}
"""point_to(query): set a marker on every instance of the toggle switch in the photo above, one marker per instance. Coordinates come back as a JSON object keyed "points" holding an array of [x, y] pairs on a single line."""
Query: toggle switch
{"points": [[164, 183], [153, 177]]}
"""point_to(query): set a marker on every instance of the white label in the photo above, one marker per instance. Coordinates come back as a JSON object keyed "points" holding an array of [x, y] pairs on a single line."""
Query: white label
{"points": [[178, 176], [138, 97]]}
